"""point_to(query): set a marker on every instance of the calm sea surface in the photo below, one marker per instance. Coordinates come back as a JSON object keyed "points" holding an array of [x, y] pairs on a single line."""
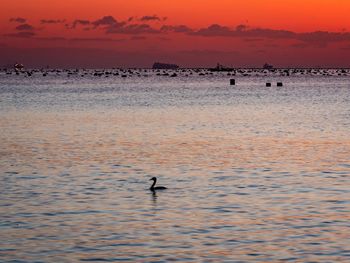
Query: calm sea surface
{"points": [[254, 173]]}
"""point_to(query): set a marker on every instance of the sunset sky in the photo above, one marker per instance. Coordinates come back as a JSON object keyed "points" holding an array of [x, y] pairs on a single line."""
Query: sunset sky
{"points": [[191, 33]]}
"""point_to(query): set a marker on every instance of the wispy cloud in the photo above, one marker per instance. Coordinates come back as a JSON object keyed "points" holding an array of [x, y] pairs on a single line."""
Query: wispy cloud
{"points": [[105, 21], [137, 26], [23, 34], [177, 29], [52, 21], [25, 27], [320, 38], [112, 26], [78, 22], [132, 29], [18, 20], [23, 31], [152, 18]]}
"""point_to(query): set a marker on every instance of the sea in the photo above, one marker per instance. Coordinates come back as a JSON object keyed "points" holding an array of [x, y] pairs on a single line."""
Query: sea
{"points": [[254, 173]]}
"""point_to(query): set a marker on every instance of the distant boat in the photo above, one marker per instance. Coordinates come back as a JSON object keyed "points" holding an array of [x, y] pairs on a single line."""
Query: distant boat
{"points": [[158, 65], [220, 67], [18, 66], [267, 66]]}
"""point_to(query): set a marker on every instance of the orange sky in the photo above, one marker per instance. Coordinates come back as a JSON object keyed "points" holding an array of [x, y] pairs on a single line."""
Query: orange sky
{"points": [[330, 48]]}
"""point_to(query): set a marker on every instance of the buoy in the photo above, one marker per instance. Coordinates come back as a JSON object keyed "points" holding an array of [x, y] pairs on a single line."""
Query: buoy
{"points": [[232, 81], [279, 84], [268, 84]]}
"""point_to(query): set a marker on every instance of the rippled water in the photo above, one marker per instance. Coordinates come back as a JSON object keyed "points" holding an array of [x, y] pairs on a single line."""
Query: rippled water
{"points": [[254, 173]]}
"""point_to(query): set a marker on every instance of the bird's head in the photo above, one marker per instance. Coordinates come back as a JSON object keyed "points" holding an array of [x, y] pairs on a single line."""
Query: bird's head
{"points": [[153, 179]]}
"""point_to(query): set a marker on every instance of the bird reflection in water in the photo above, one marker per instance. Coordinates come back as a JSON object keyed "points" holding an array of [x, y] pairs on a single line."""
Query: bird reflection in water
{"points": [[154, 197]]}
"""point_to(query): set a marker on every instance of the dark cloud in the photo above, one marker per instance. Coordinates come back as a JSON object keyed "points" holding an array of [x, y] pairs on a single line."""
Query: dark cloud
{"points": [[131, 29], [112, 26], [177, 29], [25, 27], [241, 27], [81, 22], [18, 20], [105, 21], [23, 31], [52, 21], [317, 38], [150, 18], [216, 30], [323, 36], [266, 33], [22, 34]]}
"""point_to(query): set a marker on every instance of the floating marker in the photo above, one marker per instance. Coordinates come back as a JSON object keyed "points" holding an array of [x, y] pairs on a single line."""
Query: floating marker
{"points": [[232, 81], [268, 84], [279, 84]]}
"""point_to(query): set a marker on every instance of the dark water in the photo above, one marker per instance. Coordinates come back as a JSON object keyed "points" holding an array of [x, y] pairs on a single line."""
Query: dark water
{"points": [[255, 173]]}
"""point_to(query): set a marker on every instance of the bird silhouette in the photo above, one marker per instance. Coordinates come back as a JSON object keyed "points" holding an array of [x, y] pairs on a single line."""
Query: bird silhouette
{"points": [[155, 188]]}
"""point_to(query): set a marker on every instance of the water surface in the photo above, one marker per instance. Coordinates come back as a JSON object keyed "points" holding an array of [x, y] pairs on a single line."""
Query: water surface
{"points": [[254, 173]]}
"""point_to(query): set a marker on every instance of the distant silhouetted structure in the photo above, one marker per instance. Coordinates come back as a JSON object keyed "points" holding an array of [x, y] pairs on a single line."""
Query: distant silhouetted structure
{"points": [[18, 66], [267, 66], [220, 67], [158, 65]]}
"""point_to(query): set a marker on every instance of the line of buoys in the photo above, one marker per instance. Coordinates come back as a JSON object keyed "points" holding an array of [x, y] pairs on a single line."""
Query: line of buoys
{"points": [[268, 84], [279, 84]]}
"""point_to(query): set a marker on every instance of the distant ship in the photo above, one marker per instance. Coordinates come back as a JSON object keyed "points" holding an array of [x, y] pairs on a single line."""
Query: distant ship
{"points": [[18, 66], [267, 66], [220, 67], [158, 65]]}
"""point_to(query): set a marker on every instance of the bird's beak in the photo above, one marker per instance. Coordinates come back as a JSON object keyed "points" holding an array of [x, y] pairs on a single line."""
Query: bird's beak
{"points": [[151, 179]]}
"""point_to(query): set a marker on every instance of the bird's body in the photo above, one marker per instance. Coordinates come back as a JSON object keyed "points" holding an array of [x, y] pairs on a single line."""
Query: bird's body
{"points": [[155, 188]]}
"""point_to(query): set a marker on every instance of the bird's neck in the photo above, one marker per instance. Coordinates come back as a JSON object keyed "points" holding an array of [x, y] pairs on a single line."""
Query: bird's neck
{"points": [[154, 183]]}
